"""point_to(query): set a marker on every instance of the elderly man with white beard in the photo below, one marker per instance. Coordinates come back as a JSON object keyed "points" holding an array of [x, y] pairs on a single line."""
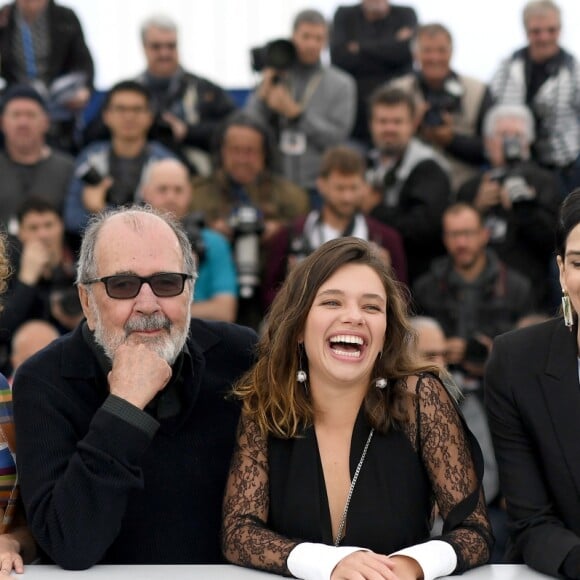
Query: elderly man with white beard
{"points": [[124, 428]]}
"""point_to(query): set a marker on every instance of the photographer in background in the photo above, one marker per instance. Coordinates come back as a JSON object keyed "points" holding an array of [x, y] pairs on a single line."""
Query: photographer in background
{"points": [[517, 198], [546, 77], [108, 173], [188, 108], [310, 107], [409, 180], [42, 284], [450, 107], [471, 293], [166, 186], [246, 201]]}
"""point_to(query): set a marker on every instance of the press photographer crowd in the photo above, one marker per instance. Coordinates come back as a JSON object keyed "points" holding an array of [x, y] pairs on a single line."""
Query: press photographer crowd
{"points": [[456, 182]]}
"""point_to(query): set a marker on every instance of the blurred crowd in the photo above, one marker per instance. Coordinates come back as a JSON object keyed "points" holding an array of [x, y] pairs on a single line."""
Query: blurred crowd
{"points": [[457, 181]]}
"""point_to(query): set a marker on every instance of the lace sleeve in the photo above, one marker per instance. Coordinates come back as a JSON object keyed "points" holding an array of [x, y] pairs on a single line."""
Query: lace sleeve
{"points": [[455, 468], [246, 540]]}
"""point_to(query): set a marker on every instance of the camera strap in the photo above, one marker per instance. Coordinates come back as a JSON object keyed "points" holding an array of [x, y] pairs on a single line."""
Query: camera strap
{"points": [[309, 89]]}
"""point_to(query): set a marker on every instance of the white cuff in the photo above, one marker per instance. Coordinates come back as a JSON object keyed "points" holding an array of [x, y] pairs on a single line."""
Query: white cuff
{"points": [[436, 558], [310, 561]]}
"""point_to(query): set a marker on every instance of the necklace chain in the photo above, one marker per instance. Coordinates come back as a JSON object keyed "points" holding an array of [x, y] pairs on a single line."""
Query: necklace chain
{"points": [[341, 527]]}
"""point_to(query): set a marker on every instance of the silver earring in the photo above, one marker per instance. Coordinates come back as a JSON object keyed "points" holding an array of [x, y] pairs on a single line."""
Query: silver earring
{"points": [[381, 383], [567, 310], [301, 375]]}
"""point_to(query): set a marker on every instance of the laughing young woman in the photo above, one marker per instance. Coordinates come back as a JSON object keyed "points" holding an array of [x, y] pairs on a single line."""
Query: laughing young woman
{"points": [[346, 442]]}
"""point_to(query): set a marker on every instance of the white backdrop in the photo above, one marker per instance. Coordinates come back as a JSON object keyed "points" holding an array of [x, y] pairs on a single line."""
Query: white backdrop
{"points": [[216, 35]]}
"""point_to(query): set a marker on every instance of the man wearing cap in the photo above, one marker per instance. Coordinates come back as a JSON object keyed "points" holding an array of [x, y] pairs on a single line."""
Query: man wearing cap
{"points": [[29, 167]]}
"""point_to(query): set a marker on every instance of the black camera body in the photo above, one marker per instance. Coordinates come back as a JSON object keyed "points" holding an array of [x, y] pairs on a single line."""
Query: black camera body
{"points": [[278, 54], [68, 300], [299, 248], [247, 225], [89, 174], [513, 156], [511, 175], [446, 101], [192, 224]]}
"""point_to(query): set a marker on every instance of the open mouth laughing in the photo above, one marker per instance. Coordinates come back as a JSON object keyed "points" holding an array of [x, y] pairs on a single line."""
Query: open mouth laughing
{"points": [[347, 345]]}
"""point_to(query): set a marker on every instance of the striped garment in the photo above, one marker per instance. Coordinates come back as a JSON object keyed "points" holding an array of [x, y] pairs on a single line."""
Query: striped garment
{"points": [[8, 477], [556, 106]]}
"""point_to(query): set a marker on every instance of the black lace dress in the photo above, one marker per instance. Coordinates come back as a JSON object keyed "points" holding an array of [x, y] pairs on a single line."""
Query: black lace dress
{"points": [[276, 495]]}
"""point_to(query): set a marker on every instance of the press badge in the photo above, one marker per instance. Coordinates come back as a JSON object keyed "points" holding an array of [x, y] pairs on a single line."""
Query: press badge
{"points": [[292, 142]]}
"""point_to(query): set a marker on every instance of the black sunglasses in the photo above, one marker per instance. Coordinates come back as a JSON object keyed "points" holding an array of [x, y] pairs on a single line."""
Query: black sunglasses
{"points": [[125, 286]]}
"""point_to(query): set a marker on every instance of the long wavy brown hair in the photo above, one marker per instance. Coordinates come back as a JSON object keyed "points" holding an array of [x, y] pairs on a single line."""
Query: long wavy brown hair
{"points": [[270, 393]]}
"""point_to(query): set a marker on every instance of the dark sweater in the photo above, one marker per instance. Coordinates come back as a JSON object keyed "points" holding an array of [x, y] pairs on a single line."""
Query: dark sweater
{"points": [[98, 488]]}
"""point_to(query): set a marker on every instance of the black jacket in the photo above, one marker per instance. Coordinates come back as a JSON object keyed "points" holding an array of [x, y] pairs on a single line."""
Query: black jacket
{"points": [[68, 50], [532, 395], [528, 243], [99, 489], [504, 296]]}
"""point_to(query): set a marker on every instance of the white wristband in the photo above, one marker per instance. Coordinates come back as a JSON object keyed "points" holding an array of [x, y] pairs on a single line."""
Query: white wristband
{"points": [[436, 558], [310, 561]]}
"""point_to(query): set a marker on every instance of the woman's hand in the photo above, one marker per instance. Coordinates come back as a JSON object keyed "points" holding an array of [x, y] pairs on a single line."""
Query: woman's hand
{"points": [[10, 558], [365, 566], [406, 568]]}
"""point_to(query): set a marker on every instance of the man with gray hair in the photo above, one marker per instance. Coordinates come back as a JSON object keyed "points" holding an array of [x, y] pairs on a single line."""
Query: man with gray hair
{"points": [[450, 106], [310, 106], [518, 199], [189, 108], [546, 77], [124, 430]]}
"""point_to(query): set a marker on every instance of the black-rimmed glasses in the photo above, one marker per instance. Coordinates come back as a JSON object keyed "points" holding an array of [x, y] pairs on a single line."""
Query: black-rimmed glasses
{"points": [[125, 286]]}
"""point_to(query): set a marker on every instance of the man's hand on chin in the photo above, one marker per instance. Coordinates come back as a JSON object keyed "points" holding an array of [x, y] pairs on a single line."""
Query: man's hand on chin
{"points": [[138, 374]]}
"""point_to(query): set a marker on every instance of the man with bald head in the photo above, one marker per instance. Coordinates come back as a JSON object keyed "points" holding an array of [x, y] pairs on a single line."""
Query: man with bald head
{"points": [[166, 186], [123, 426], [30, 338]]}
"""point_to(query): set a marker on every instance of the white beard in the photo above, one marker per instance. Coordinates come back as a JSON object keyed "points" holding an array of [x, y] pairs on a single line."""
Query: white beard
{"points": [[166, 346]]}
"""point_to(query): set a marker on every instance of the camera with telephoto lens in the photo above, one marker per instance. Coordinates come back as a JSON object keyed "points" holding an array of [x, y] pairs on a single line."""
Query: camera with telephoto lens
{"points": [[510, 175], [192, 224], [278, 54], [513, 156], [247, 226]]}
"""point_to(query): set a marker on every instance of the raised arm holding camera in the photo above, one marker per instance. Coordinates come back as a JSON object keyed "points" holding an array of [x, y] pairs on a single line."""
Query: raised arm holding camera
{"points": [[309, 106], [450, 106], [518, 199], [108, 173]]}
